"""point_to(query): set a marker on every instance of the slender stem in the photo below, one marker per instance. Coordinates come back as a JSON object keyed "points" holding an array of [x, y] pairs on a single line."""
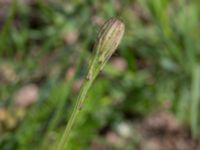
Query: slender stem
{"points": [[78, 106], [108, 39], [59, 109], [92, 73]]}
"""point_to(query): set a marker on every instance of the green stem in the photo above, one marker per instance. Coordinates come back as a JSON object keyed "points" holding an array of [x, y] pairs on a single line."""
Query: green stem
{"points": [[93, 70], [78, 106], [108, 39], [59, 109]]}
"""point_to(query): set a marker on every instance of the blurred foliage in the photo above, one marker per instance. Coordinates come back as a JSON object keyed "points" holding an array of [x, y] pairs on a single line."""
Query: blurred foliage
{"points": [[41, 40]]}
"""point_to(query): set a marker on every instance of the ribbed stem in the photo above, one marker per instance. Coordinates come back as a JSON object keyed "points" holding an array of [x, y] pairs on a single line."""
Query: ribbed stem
{"points": [[107, 41], [78, 106]]}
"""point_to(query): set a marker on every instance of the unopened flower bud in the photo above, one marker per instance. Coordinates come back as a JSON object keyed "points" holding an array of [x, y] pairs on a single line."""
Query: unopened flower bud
{"points": [[109, 38], [107, 41]]}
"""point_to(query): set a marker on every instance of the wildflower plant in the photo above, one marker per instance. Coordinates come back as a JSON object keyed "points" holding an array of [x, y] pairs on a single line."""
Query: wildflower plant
{"points": [[106, 43]]}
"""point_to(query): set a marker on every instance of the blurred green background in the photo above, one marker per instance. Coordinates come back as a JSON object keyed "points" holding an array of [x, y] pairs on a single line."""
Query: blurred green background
{"points": [[146, 98]]}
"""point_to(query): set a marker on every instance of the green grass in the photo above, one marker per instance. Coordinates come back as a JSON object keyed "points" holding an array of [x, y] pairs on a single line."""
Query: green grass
{"points": [[160, 49]]}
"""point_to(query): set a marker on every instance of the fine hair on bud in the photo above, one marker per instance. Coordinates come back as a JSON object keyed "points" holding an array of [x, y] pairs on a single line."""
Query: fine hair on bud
{"points": [[106, 43], [109, 38]]}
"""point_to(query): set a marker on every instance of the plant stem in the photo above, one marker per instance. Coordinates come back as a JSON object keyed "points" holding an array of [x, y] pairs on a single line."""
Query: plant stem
{"points": [[107, 41], [78, 106], [92, 73]]}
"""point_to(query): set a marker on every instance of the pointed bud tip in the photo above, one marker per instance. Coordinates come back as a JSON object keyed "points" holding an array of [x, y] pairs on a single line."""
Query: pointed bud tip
{"points": [[110, 36]]}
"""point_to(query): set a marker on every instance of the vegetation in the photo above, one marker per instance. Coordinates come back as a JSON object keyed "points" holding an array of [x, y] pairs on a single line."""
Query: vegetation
{"points": [[108, 39], [45, 48]]}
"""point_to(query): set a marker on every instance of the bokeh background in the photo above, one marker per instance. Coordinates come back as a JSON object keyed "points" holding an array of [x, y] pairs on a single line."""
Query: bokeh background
{"points": [[146, 98]]}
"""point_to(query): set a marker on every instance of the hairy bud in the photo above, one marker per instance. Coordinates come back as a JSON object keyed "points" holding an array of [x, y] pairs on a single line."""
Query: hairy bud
{"points": [[109, 38], [107, 42]]}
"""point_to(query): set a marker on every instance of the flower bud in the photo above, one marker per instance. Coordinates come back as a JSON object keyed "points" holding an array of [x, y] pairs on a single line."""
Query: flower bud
{"points": [[109, 38], [107, 41]]}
